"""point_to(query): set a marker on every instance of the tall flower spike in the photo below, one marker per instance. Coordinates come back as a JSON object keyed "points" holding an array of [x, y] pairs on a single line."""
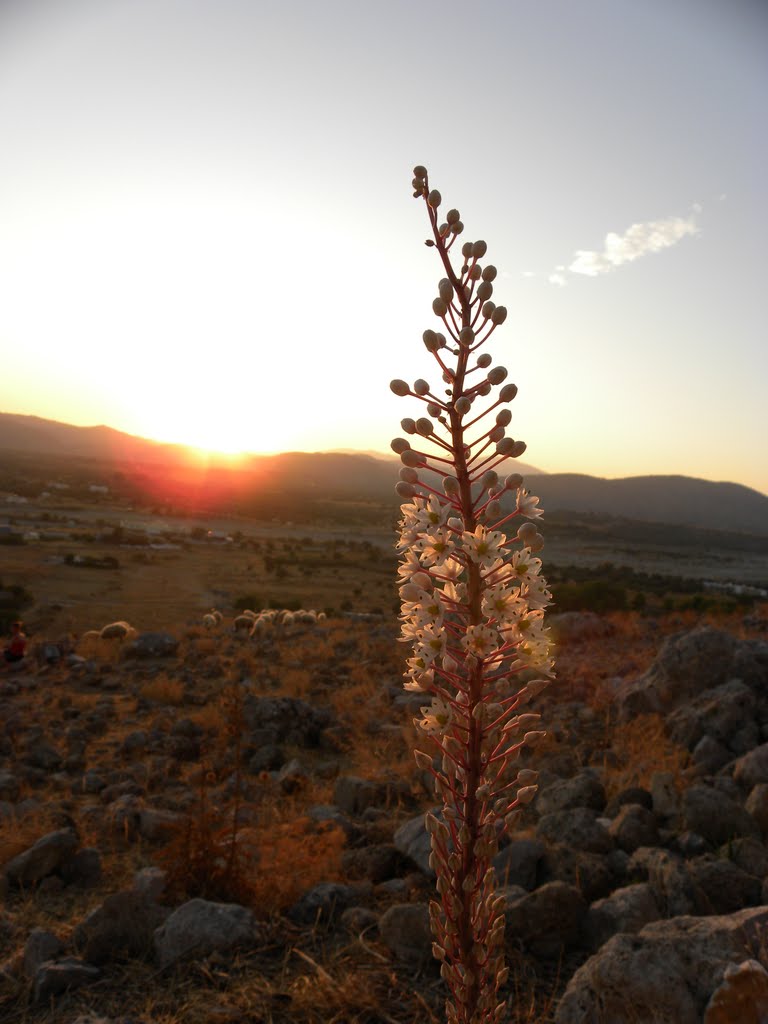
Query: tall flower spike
{"points": [[472, 611]]}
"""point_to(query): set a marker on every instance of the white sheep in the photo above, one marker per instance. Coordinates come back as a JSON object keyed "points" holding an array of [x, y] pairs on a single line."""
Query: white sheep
{"points": [[120, 630], [209, 620], [242, 621]]}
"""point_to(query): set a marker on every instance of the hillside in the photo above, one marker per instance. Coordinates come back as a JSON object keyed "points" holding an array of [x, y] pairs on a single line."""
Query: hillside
{"points": [[144, 471]]}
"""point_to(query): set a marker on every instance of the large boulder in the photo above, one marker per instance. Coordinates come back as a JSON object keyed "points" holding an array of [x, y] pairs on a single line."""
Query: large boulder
{"points": [[715, 816], [44, 858], [548, 920], [667, 972], [201, 927], [687, 664]]}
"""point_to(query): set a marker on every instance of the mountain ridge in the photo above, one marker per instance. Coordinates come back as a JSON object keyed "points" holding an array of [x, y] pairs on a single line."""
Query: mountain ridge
{"points": [[369, 476]]}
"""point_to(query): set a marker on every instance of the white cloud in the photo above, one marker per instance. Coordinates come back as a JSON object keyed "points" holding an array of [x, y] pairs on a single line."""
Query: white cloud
{"points": [[639, 239], [557, 279]]}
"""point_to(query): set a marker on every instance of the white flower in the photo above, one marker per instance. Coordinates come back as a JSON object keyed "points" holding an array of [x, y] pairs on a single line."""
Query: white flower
{"points": [[503, 602], [480, 640], [524, 566], [483, 546], [431, 643], [435, 547], [526, 504], [536, 594], [437, 717]]}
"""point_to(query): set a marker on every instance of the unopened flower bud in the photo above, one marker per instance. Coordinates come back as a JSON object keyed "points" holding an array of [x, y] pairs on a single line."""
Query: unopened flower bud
{"points": [[452, 216], [431, 341], [484, 291], [419, 171], [422, 580], [489, 479], [422, 760], [466, 336], [451, 485], [434, 199], [424, 426], [445, 289], [504, 417], [496, 434], [537, 543], [497, 374], [479, 249], [405, 490], [399, 445], [489, 273], [526, 533], [433, 409], [488, 308], [463, 405], [505, 446], [518, 449], [493, 510], [526, 794], [499, 315], [513, 481], [508, 393], [420, 386], [409, 475], [399, 387], [475, 272], [439, 308], [457, 227], [408, 425], [444, 230], [412, 459], [466, 250], [484, 389], [456, 524], [527, 777], [484, 360], [532, 738]]}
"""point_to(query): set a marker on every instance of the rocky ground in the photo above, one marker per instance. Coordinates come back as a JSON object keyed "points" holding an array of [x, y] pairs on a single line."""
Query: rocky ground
{"points": [[636, 887]]}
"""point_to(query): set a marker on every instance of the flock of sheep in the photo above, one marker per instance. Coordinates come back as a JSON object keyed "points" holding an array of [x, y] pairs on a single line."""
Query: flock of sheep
{"points": [[253, 623]]}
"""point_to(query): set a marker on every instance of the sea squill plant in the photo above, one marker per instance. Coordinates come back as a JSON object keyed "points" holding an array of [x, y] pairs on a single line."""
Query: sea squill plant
{"points": [[473, 602]]}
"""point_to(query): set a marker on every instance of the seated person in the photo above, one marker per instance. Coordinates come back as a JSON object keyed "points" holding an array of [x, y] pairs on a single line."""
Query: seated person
{"points": [[17, 645]]}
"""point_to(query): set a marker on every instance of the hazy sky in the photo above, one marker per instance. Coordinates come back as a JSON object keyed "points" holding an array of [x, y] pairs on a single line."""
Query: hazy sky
{"points": [[207, 232]]}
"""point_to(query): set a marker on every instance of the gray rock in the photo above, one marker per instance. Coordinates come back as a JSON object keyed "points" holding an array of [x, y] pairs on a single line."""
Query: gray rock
{"points": [[548, 920], [687, 664], [673, 888], [276, 720], [150, 645], [518, 862], [715, 816], [583, 790], [577, 827], [634, 826], [41, 945], [573, 626], [757, 806], [722, 886], [158, 825], [123, 926], [56, 976], [667, 972], [323, 903], [742, 996], [405, 930], [626, 910], [590, 873], [376, 862], [750, 854], [201, 927], [412, 839], [709, 755], [83, 868], [354, 795], [44, 858], [665, 795], [752, 769]]}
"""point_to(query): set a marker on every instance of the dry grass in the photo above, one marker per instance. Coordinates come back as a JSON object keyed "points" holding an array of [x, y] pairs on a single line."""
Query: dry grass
{"points": [[640, 748], [163, 690]]}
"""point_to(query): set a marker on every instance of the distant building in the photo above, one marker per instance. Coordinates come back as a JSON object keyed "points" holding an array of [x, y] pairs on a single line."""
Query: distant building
{"points": [[98, 489]]}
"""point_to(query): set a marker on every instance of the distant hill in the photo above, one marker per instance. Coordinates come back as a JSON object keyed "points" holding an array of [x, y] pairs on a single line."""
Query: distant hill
{"points": [[165, 472], [682, 500]]}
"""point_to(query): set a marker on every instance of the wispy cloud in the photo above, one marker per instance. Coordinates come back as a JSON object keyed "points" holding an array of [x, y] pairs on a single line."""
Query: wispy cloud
{"points": [[637, 241]]}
